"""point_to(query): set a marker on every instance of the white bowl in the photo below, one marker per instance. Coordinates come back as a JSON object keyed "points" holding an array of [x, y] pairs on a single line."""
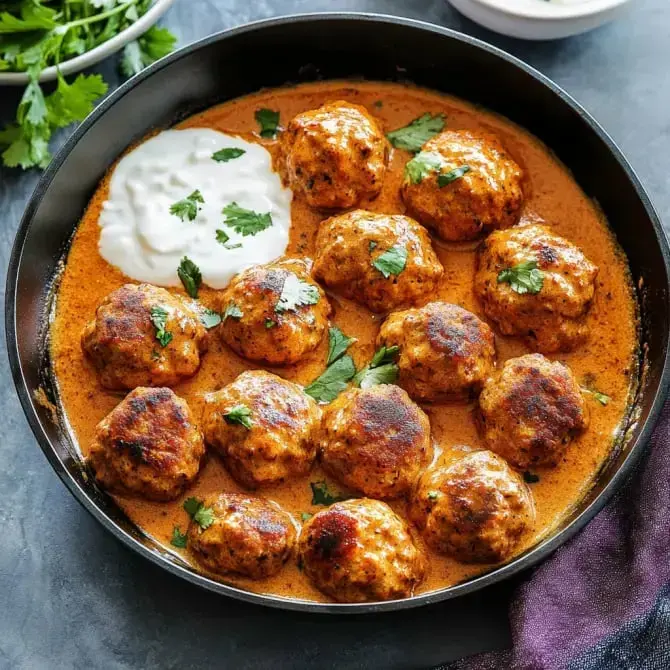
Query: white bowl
{"points": [[539, 19], [100, 52]]}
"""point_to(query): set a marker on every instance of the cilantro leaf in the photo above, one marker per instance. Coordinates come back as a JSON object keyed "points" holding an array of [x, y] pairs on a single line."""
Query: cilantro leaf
{"points": [[447, 177], [222, 238], [33, 16], [382, 369], [245, 221], [321, 495], [333, 380], [227, 154], [154, 44], [239, 414], [210, 319], [74, 102], [413, 136], [268, 120], [270, 323], [523, 278], [530, 477], [188, 207], [433, 495], [602, 398], [178, 538], [338, 343], [391, 262], [232, 311], [422, 165], [203, 516], [296, 293], [190, 276], [305, 516], [191, 505], [385, 355], [159, 318]]}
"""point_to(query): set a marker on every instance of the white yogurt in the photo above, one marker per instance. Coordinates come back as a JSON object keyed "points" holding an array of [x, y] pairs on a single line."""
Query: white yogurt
{"points": [[146, 242]]}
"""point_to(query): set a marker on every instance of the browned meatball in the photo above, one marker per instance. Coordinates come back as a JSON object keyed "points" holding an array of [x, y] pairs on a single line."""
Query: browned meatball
{"points": [[129, 349], [335, 156], [249, 536], [264, 428], [361, 551], [530, 410], [274, 313], [551, 318], [474, 508], [383, 261], [480, 189], [148, 446], [445, 351], [375, 440]]}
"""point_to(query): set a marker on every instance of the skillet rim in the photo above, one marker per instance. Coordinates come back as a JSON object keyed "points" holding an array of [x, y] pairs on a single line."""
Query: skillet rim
{"points": [[530, 558]]}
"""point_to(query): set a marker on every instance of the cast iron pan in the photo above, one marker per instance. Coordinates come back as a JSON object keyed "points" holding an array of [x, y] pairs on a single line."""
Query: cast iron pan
{"points": [[305, 48]]}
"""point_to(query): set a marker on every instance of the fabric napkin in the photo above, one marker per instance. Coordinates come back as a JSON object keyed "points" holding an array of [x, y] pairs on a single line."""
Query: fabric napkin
{"points": [[603, 599]]}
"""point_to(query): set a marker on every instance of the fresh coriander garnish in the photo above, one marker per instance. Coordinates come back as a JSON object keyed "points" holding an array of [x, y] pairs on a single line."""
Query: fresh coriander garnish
{"points": [[530, 477], [178, 538], [222, 238], [433, 495], [191, 505], [523, 278], [392, 261], [239, 414], [190, 276], [602, 398], [210, 318], [322, 496], [159, 318], [338, 343], [245, 221], [382, 369], [372, 245], [227, 154], [203, 516], [422, 165], [446, 178], [268, 120], [305, 516], [270, 323], [413, 136], [296, 293], [333, 380], [232, 311], [154, 44], [188, 207]]}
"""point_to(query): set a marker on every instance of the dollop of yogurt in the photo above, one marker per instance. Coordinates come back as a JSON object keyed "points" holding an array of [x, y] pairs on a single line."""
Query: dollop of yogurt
{"points": [[141, 237]]}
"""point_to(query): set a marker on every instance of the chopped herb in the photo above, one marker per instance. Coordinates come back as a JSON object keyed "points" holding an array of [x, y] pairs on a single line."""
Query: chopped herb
{"points": [[159, 318], [239, 414], [188, 207], [422, 165], [433, 495], [210, 319], [338, 343], [322, 496], [203, 516], [269, 323], [385, 355], [245, 221], [391, 262], [190, 276], [413, 136], [268, 120], [178, 538], [447, 177], [232, 311], [296, 293], [305, 516], [333, 380], [192, 505], [602, 398], [155, 355], [154, 44], [222, 238], [530, 477], [382, 369], [372, 245], [523, 278], [227, 154]]}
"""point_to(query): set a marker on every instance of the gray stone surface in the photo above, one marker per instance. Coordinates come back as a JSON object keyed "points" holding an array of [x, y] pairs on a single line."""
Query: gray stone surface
{"points": [[73, 597]]}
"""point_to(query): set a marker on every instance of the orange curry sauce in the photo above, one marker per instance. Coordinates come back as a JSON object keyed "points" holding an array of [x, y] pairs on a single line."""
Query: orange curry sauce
{"points": [[551, 197]]}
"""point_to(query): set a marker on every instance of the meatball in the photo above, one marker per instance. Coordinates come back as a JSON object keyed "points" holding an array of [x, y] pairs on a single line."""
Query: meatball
{"points": [[148, 446], [274, 313], [474, 508], [143, 335], [360, 551], [249, 536], [446, 352], [485, 197], [530, 410], [381, 260], [335, 156], [549, 312], [264, 428], [375, 440]]}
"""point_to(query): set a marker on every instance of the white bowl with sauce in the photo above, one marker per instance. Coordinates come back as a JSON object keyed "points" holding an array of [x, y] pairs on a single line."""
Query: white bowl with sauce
{"points": [[541, 19]]}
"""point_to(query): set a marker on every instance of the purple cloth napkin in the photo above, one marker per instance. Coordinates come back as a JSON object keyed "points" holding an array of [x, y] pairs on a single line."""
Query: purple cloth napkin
{"points": [[603, 599]]}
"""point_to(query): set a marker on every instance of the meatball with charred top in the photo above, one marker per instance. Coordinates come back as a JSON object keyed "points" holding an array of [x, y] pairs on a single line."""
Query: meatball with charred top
{"points": [[530, 410], [537, 285], [473, 507], [247, 536], [274, 313], [143, 335], [446, 352], [334, 156], [375, 440], [383, 261], [264, 428], [147, 446], [361, 551], [463, 184]]}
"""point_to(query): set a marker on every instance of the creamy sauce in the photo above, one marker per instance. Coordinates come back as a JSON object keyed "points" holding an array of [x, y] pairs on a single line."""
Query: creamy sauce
{"points": [[140, 236], [552, 197]]}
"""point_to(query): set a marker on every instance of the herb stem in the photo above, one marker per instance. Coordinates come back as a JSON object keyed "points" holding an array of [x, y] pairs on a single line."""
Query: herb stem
{"points": [[98, 17]]}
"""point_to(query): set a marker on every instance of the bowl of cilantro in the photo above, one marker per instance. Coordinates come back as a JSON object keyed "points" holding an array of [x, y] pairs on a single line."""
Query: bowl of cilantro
{"points": [[47, 40]]}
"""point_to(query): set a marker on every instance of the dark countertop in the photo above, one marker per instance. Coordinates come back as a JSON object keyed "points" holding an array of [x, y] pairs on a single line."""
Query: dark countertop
{"points": [[75, 598]]}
